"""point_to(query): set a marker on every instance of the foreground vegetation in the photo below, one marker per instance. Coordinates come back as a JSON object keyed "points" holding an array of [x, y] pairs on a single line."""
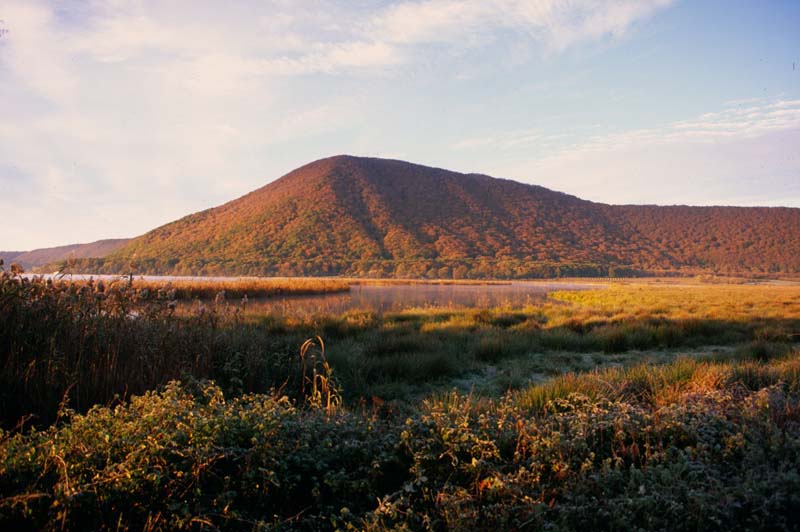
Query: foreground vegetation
{"points": [[687, 446], [626, 407]]}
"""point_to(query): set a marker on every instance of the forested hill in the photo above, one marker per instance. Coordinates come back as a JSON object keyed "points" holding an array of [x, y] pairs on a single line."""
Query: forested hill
{"points": [[365, 216], [43, 256]]}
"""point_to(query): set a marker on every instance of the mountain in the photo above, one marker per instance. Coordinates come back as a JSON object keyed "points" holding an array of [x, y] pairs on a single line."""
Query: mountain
{"points": [[40, 257], [8, 256], [366, 216]]}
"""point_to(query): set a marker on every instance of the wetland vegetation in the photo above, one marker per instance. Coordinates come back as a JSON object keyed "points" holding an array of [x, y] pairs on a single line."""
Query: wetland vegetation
{"points": [[629, 405]]}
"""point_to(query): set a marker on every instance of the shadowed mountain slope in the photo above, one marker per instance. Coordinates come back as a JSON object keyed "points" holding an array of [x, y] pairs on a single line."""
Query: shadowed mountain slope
{"points": [[366, 216]]}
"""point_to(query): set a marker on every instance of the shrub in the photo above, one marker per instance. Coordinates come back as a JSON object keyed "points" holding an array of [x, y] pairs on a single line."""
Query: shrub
{"points": [[185, 459], [607, 451]]}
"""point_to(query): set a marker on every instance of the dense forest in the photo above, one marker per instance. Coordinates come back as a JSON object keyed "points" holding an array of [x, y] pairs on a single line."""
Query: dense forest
{"points": [[375, 217]]}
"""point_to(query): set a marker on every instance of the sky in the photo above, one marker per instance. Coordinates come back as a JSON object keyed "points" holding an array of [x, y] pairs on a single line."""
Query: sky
{"points": [[119, 116]]}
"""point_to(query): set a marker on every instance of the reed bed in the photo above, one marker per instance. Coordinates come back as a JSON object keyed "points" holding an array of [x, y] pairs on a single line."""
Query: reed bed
{"points": [[236, 288], [249, 287], [84, 344], [81, 344]]}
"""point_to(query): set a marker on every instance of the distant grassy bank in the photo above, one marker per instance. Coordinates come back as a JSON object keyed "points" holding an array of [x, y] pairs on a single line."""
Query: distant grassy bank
{"points": [[249, 287], [199, 288]]}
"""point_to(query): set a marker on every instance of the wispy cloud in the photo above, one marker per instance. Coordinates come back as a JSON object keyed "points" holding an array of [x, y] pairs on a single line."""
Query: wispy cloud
{"points": [[741, 154], [557, 24], [511, 140], [139, 112], [735, 121], [296, 38], [739, 121]]}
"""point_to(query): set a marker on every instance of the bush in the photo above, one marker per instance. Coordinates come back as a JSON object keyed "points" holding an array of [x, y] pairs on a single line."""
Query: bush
{"points": [[687, 446], [187, 459]]}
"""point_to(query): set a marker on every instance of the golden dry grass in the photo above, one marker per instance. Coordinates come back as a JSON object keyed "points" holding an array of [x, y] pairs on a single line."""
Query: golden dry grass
{"points": [[373, 282], [252, 287], [739, 303]]}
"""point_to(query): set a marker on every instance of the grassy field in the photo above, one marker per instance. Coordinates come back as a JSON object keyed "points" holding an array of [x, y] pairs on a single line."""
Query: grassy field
{"points": [[653, 406]]}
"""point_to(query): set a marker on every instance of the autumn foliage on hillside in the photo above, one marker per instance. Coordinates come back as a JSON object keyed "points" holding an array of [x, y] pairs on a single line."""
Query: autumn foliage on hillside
{"points": [[375, 217], [722, 239]]}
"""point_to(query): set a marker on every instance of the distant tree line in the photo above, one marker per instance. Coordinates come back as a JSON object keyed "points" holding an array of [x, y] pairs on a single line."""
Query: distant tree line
{"points": [[481, 268]]}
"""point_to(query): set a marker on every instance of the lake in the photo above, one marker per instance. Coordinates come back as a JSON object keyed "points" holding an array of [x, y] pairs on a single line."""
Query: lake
{"points": [[396, 297], [384, 297]]}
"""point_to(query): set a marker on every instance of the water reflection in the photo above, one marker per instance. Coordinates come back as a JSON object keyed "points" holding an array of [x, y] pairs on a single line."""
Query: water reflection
{"points": [[385, 298], [379, 298]]}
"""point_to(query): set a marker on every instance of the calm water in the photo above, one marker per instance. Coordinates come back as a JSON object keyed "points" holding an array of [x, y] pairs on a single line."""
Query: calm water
{"points": [[382, 298], [391, 297]]}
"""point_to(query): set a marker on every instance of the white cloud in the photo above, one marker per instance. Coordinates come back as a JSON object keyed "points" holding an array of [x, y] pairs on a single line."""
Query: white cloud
{"points": [[332, 58], [511, 140], [733, 122], [557, 23], [739, 155], [139, 112], [43, 69]]}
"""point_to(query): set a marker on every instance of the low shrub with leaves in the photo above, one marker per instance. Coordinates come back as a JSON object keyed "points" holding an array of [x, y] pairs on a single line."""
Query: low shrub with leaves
{"points": [[712, 446], [184, 459], [725, 459]]}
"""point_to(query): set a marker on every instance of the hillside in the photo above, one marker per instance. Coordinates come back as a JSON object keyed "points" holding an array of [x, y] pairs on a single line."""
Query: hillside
{"points": [[40, 257], [365, 216], [726, 239], [8, 256]]}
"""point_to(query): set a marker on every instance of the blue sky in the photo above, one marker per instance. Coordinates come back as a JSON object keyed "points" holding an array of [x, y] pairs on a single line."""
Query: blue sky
{"points": [[120, 116]]}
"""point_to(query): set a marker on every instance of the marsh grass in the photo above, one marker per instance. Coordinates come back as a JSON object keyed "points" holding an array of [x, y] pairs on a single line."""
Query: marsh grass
{"points": [[656, 385], [539, 437], [317, 386], [238, 288], [97, 343]]}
